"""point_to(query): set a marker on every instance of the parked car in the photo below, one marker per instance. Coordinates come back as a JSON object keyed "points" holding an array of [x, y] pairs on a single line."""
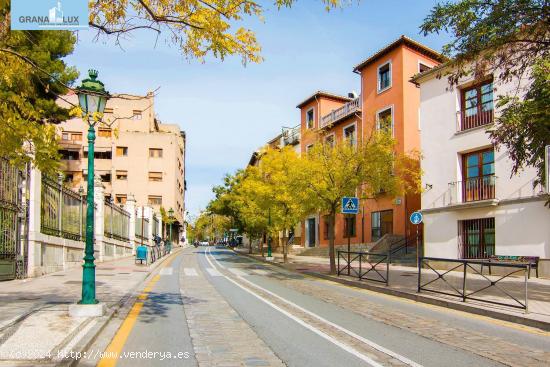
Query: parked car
{"points": [[203, 243]]}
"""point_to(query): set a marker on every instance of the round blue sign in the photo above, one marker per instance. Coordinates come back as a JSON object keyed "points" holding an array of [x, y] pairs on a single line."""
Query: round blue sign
{"points": [[416, 218]]}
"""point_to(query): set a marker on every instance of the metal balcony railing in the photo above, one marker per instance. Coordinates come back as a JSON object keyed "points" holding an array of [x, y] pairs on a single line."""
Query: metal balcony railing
{"points": [[473, 189], [291, 136], [465, 122], [340, 113]]}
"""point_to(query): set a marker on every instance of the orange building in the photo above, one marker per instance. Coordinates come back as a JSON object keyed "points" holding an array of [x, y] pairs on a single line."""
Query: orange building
{"points": [[388, 96]]}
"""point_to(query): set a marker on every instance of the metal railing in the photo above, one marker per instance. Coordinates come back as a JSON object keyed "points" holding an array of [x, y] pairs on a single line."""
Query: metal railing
{"points": [[116, 222], [465, 122], [473, 189], [291, 135], [142, 229], [365, 265], [63, 211], [156, 225], [339, 113], [461, 290]]}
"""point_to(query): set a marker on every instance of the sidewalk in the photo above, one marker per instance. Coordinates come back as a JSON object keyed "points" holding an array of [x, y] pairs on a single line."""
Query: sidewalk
{"points": [[34, 320], [404, 282]]}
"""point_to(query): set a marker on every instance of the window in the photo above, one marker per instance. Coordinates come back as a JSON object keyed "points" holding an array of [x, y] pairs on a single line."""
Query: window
{"points": [[478, 172], [69, 155], [107, 110], [122, 175], [155, 200], [384, 77], [155, 176], [136, 115], [155, 153], [69, 178], [423, 67], [71, 136], [349, 226], [106, 177], [104, 133], [381, 224], [122, 151], [477, 105], [100, 155], [308, 147], [330, 140], [476, 238], [384, 120], [349, 134], [120, 198], [310, 119]]}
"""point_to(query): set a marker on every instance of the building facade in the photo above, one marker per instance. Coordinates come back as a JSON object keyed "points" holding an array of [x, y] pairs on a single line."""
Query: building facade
{"points": [[473, 207], [135, 155], [387, 101]]}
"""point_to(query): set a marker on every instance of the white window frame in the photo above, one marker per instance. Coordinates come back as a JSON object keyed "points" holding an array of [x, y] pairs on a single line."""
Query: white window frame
{"points": [[378, 77], [333, 138], [423, 63], [390, 107], [308, 147], [354, 124], [313, 120]]}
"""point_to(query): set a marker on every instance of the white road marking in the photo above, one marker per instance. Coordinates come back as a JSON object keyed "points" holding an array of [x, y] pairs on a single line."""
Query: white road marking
{"points": [[214, 272], [190, 272], [261, 272], [166, 271], [343, 346], [237, 272]]}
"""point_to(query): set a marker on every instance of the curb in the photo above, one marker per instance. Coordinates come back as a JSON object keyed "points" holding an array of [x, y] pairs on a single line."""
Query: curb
{"points": [[417, 297], [120, 308]]}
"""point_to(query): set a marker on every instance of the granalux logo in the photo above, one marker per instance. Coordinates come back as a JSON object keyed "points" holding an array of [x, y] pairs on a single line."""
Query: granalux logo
{"points": [[49, 14]]}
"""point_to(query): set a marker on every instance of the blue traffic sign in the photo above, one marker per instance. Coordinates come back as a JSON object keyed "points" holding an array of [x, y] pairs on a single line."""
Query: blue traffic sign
{"points": [[350, 205], [416, 218]]}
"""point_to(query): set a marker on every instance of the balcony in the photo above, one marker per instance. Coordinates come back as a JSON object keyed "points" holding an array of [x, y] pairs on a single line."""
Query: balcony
{"points": [[466, 122], [476, 189], [291, 136], [340, 113]]}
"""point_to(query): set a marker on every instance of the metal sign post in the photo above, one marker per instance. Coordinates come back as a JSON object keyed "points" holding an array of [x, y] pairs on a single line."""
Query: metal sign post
{"points": [[350, 206], [416, 218]]}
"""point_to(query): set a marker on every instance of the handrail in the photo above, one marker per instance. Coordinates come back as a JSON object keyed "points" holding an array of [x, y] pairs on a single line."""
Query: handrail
{"points": [[341, 112]]}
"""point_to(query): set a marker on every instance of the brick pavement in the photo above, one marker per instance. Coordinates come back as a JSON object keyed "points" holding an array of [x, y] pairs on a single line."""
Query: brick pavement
{"points": [[220, 336]]}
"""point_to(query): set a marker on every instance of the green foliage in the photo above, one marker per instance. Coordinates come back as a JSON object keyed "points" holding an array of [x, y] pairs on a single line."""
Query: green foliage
{"points": [[32, 76]]}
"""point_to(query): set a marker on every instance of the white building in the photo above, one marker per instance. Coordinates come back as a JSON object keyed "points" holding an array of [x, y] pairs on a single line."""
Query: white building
{"points": [[472, 206]]}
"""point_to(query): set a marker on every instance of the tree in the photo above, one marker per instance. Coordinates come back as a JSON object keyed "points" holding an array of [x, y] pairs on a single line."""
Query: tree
{"points": [[371, 167], [509, 39], [197, 27], [33, 75]]}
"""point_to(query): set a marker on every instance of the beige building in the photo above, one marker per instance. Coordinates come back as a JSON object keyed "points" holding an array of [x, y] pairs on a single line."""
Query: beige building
{"points": [[135, 154]]}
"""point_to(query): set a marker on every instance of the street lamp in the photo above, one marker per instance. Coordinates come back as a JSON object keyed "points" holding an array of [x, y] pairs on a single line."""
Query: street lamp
{"points": [[92, 98]]}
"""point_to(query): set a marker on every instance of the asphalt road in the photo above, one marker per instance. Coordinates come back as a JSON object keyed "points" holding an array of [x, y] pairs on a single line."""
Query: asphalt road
{"points": [[302, 321]]}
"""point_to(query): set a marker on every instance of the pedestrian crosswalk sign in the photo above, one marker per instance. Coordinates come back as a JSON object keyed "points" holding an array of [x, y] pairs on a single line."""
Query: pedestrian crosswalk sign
{"points": [[350, 205]]}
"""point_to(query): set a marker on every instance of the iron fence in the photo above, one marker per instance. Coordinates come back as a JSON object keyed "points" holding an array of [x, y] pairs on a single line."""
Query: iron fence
{"points": [[156, 226], [365, 265], [455, 285], [63, 211], [142, 229], [116, 222]]}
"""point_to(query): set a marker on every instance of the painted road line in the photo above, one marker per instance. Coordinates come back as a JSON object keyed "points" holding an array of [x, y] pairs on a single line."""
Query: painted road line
{"points": [[190, 272], [166, 271], [238, 272], [261, 272], [114, 349], [213, 272], [301, 322]]}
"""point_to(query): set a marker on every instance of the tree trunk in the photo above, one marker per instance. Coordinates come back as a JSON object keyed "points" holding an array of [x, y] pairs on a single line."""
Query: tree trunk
{"points": [[285, 247], [262, 245], [249, 245], [331, 225]]}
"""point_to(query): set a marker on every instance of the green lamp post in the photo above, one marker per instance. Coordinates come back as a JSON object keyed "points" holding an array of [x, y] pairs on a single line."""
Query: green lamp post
{"points": [[92, 98]]}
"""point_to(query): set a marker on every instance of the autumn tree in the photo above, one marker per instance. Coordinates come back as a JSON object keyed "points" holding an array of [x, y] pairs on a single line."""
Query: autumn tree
{"points": [[509, 39], [33, 75], [370, 168]]}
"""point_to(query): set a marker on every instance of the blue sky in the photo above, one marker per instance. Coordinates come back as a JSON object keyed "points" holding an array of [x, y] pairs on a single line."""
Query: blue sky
{"points": [[228, 110]]}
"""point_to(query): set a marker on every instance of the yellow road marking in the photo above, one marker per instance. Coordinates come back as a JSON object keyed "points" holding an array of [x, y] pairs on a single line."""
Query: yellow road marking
{"points": [[112, 352]]}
